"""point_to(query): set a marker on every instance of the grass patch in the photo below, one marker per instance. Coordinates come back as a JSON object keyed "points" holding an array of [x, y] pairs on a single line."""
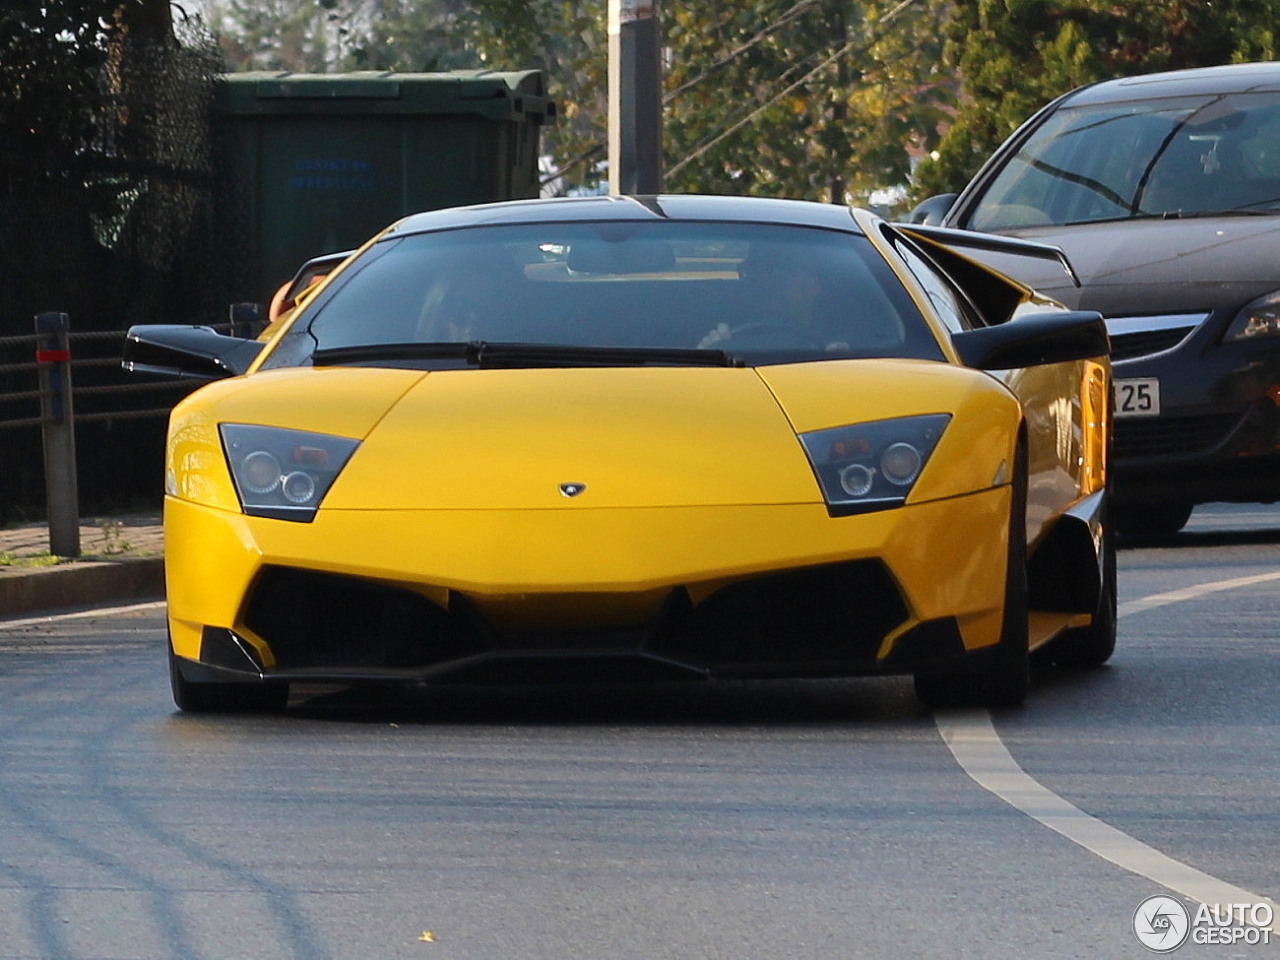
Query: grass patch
{"points": [[37, 560], [112, 542]]}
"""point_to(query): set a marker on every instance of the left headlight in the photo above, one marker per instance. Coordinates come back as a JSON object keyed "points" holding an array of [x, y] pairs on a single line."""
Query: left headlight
{"points": [[872, 466], [283, 474], [1261, 318]]}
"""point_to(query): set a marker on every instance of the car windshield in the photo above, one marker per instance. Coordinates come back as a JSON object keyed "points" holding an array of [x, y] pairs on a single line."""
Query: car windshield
{"points": [[611, 293], [1171, 157]]}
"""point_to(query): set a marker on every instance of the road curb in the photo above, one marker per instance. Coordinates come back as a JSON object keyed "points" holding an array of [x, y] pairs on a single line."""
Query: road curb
{"points": [[82, 582]]}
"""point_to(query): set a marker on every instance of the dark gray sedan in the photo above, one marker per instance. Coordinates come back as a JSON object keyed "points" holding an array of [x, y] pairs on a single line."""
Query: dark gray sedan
{"points": [[1164, 191]]}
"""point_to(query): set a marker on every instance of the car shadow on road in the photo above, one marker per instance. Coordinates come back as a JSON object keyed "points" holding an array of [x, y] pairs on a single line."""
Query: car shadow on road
{"points": [[870, 701]]}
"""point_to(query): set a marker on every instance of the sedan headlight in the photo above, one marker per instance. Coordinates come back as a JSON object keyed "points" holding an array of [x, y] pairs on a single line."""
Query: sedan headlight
{"points": [[283, 474], [1261, 318], [872, 466]]}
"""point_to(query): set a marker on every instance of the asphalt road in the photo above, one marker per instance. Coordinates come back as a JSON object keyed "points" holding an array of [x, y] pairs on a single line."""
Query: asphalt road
{"points": [[828, 820]]}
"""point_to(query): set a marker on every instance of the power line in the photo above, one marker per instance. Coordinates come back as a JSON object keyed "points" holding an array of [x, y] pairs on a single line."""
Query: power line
{"points": [[788, 17], [706, 145], [791, 14], [782, 21]]}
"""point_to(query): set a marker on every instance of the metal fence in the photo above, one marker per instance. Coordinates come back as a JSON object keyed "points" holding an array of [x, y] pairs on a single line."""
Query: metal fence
{"points": [[101, 354], [119, 421]]}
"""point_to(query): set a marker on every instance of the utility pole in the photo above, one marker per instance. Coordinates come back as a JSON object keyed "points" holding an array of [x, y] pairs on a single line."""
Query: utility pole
{"points": [[635, 98]]}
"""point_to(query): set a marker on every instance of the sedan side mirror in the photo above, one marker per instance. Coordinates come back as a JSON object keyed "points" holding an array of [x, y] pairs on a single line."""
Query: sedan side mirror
{"points": [[187, 352], [1033, 340], [932, 211]]}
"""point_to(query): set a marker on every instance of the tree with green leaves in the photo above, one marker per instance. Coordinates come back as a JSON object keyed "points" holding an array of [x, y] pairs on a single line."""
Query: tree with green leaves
{"points": [[1016, 55], [280, 34], [826, 95], [103, 146]]}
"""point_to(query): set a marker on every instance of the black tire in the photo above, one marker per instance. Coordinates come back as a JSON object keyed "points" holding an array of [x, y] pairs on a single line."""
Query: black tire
{"points": [[1092, 646], [224, 697], [1152, 520], [1005, 677]]}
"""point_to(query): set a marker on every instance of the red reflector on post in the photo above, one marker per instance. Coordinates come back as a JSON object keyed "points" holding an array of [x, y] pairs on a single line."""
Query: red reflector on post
{"points": [[53, 356]]}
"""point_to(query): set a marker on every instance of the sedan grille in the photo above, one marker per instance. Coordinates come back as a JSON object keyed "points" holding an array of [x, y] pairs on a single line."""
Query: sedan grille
{"points": [[1171, 436], [1130, 346], [1133, 337]]}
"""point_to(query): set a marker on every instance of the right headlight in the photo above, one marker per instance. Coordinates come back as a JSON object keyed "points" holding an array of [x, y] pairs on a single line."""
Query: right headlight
{"points": [[872, 466], [283, 474], [1261, 318]]}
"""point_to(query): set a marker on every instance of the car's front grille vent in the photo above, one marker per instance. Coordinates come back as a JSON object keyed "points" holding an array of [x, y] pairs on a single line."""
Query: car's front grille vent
{"points": [[1129, 346], [838, 613], [815, 621], [1170, 436], [314, 621]]}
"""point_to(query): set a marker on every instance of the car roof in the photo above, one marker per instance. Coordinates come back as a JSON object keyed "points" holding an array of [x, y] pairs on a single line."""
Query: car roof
{"points": [[1228, 78], [661, 207]]}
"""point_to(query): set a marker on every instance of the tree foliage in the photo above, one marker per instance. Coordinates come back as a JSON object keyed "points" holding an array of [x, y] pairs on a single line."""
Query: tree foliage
{"points": [[103, 145], [51, 56], [1016, 55], [818, 98]]}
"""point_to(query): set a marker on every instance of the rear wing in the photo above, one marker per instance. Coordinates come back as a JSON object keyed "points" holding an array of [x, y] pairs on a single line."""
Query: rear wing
{"points": [[969, 239]]}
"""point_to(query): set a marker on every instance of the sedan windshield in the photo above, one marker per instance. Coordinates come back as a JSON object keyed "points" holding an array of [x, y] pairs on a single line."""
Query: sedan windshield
{"points": [[611, 293], [1187, 156]]}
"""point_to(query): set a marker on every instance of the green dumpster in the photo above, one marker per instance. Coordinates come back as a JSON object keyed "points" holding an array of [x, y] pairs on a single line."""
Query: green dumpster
{"points": [[315, 163]]}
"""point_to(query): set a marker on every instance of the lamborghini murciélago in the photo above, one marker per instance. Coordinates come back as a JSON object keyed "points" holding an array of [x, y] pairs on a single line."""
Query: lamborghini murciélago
{"points": [[641, 438]]}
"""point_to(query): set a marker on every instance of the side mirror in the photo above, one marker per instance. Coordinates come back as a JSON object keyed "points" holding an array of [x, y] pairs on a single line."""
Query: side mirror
{"points": [[1034, 340], [932, 211], [186, 352]]}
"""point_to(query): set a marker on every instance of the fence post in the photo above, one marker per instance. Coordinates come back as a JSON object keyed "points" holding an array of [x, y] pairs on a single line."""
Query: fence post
{"points": [[53, 359]]}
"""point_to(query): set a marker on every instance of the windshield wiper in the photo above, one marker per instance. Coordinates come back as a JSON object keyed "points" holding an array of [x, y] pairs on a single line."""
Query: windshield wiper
{"points": [[483, 354], [1245, 211], [373, 352], [486, 355]]}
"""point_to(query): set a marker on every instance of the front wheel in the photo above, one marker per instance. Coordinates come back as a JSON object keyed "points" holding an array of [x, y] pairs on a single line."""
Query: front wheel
{"points": [[1093, 645], [192, 697]]}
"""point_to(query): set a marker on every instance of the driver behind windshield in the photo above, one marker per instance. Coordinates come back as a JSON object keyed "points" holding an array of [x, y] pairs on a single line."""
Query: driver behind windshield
{"points": [[783, 294]]}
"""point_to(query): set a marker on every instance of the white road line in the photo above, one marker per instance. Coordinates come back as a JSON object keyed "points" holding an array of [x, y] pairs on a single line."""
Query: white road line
{"points": [[976, 746], [81, 614], [1190, 593], [983, 756]]}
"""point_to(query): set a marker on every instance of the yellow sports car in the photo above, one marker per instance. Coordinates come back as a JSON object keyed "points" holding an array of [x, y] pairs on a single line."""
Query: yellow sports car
{"points": [[641, 438]]}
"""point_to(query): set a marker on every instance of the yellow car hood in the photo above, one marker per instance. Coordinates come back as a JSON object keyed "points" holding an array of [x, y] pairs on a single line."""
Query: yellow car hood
{"points": [[509, 439], [630, 437]]}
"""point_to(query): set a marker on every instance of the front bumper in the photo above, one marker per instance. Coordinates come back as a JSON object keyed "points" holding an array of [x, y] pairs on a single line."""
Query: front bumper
{"points": [[495, 596], [1218, 433]]}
